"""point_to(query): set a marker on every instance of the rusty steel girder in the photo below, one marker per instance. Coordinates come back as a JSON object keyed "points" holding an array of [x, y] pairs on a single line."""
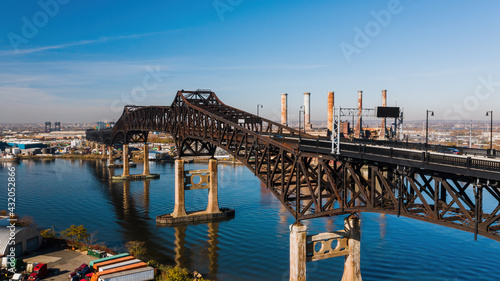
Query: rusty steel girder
{"points": [[312, 184]]}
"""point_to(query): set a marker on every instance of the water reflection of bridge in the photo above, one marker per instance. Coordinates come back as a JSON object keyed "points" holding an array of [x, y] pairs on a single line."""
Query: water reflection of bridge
{"points": [[133, 215]]}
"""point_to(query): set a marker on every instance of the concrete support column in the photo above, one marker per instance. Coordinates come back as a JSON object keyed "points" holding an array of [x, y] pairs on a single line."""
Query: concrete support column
{"points": [[298, 252], [180, 205], [330, 111], [126, 169], [103, 148], [146, 160], [352, 268], [111, 160], [213, 193], [284, 108]]}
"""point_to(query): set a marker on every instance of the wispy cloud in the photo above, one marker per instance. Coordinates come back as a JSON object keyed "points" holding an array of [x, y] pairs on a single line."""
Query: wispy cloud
{"points": [[243, 67], [79, 43]]}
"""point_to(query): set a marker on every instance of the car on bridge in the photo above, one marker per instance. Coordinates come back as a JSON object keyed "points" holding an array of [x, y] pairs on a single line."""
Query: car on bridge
{"points": [[451, 150]]}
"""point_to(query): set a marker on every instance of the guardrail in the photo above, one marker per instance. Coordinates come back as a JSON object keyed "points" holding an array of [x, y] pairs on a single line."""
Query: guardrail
{"points": [[421, 146], [321, 146]]}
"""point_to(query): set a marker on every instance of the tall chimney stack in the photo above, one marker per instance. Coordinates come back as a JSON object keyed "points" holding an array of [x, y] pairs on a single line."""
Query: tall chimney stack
{"points": [[330, 111], [307, 107], [359, 126], [284, 108], [384, 125]]}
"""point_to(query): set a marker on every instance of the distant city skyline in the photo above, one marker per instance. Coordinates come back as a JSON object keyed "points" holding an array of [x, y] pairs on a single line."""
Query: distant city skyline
{"points": [[76, 62]]}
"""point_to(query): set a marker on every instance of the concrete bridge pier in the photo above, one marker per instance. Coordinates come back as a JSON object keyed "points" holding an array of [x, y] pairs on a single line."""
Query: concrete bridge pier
{"points": [[146, 160], [186, 180], [333, 244], [352, 268], [103, 149], [298, 233], [110, 156], [126, 168], [180, 205], [213, 190]]}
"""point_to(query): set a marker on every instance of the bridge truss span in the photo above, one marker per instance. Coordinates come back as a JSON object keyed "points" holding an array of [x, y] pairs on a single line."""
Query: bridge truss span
{"points": [[313, 183]]}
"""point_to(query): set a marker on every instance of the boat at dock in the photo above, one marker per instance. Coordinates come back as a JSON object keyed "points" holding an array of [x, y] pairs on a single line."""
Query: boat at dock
{"points": [[9, 158]]}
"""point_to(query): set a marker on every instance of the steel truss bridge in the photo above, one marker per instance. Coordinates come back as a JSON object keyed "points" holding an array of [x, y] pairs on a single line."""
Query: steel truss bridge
{"points": [[312, 182]]}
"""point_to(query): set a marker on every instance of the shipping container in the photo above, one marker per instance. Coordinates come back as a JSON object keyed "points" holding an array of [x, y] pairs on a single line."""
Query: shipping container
{"points": [[98, 265], [140, 274], [95, 276], [118, 264], [109, 258]]}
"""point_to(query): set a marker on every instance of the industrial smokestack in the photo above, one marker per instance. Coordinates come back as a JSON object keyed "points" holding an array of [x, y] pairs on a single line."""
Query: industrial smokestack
{"points": [[307, 107], [330, 111], [284, 108], [359, 126], [384, 125]]}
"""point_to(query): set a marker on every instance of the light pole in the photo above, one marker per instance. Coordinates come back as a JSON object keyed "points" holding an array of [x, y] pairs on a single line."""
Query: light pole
{"points": [[261, 106], [427, 128], [490, 113]]}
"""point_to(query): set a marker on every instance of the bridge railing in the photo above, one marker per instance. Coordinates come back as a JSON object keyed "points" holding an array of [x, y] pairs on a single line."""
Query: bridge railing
{"points": [[421, 146], [320, 146]]}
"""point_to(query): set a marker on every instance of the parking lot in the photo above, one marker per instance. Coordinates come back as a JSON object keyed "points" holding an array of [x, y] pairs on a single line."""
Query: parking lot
{"points": [[63, 261]]}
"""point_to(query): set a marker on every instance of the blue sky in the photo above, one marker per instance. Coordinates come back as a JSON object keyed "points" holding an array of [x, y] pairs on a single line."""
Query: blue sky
{"points": [[81, 61]]}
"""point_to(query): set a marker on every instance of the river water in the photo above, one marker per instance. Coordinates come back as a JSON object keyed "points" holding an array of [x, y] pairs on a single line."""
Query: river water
{"points": [[253, 245]]}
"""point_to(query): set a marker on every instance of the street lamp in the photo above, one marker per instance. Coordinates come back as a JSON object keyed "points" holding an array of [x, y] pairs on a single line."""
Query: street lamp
{"points": [[427, 128], [490, 113], [261, 106]]}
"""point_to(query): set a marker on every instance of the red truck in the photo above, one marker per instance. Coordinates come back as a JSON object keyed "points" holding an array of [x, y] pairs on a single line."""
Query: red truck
{"points": [[39, 272]]}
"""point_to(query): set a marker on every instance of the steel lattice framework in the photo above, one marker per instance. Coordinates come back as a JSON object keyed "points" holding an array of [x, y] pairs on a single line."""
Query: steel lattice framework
{"points": [[310, 181]]}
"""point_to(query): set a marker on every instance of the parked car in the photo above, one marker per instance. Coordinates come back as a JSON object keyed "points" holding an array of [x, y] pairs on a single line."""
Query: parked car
{"points": [[39, 272], [73, 274], [84, 271]]}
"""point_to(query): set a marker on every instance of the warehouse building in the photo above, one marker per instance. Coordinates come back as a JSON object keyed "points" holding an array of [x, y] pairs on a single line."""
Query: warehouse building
{"points": [[27, 239], [27, 144]]}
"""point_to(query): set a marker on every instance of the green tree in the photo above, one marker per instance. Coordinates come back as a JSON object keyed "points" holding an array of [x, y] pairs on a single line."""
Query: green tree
{"points": [[136, 248], [48, 233], [76, 234]]}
